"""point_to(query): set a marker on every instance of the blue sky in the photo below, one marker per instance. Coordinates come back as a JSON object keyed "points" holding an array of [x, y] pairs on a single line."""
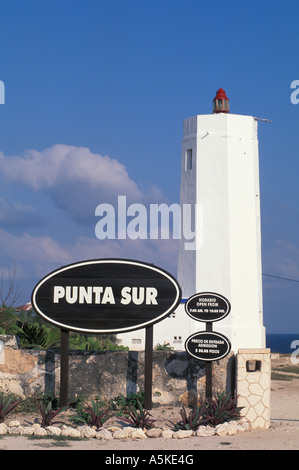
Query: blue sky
{"points": [[95, 95]]}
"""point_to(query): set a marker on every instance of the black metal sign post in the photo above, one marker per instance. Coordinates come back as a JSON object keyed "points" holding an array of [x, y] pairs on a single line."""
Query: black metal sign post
{"points": [[207, 345], [64, 367], [209, 369], [148, 367]]}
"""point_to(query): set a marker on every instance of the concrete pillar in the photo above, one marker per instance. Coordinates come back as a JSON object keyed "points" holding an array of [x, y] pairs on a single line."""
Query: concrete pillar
{"points": [[253, 385]]}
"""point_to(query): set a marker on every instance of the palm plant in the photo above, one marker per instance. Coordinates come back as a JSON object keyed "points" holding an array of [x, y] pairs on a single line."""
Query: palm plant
{"points": [[31, 331], [33, 335]]}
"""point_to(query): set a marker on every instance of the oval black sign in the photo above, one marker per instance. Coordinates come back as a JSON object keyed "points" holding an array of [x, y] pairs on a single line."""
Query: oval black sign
{"points": [[208, 346], [207, 307], [106, 296]]}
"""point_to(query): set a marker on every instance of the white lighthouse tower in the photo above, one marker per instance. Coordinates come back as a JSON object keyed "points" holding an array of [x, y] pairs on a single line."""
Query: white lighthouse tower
{"points": [[220, 178], [220, 183]]}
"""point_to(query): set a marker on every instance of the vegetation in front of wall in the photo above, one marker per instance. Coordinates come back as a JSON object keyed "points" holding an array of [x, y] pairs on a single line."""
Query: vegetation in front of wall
{"points": [[7, 404], [93, 415], [139, 418], [210, 412], [122, 404], [163, 347], [107, 342], [33, 333], [48, 414], [190, 421], [87, 420]]}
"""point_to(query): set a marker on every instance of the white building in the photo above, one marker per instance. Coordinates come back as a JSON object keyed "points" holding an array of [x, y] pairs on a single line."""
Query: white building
{"points": [[220, 178]]}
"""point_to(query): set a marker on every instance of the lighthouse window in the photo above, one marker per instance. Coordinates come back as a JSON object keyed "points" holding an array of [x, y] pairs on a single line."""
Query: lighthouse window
{"points": [[177, 339], [188, 160], [136, 341]]}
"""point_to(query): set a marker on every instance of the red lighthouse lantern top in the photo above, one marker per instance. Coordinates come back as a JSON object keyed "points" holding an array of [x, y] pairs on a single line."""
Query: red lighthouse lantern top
{"points": [[221, 102]]}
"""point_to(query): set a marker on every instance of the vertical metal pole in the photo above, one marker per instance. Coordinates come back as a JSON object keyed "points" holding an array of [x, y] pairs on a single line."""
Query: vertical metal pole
{"points": [[64, 367], [209, 368], [148, 367], [209, 388]]}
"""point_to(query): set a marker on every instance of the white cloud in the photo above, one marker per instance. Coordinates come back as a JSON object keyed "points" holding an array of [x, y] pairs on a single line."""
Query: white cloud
{"points": [[76, 179], [18, 215], [35, 257]]}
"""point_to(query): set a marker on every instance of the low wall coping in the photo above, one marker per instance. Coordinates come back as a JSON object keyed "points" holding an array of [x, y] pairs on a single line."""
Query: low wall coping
{"points": [[254, 351]]}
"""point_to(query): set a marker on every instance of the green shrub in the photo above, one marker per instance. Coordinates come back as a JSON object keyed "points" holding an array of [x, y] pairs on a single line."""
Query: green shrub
{"points": [[48, 414], [211, 411], [163, 347], [123, 404], [7, 405], [139, 418], [189, 421], [92, 415], [219, 409]]}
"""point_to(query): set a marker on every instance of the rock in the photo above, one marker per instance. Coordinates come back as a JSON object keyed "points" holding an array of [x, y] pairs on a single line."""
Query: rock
{"points": [[232, 428], [114, 428], [3, 428], [104, 434], [13, 423], [53, 431], [221, 429], [138, 434], [15, 430], [154, 432], [205, 431], [70, 432], [246, 425], [29, 430], [87, 431], [40, 432], [122, 433], [182, 434], [167, 433]]}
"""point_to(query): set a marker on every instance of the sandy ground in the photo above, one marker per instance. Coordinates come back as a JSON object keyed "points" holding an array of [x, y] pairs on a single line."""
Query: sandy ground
{"points": [[283, 433]]}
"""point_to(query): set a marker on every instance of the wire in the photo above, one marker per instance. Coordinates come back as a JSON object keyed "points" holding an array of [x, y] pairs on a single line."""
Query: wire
{"points": [[283, 278]]}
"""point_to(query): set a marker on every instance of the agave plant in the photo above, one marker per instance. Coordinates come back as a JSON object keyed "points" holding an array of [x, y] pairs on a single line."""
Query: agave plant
{"points": [[92, 415], [211, 411], [189, 421], [6, 406], [219, 409], [139, 418], [48, 414]]}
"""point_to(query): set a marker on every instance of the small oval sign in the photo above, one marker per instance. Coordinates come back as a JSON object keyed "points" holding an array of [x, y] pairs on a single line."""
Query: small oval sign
{"points": [[208, 346], [207, 307], [106, 296]]}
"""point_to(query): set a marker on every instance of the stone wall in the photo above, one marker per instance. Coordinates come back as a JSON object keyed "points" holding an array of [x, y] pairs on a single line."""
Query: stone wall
{"points": [[177, 378]]}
